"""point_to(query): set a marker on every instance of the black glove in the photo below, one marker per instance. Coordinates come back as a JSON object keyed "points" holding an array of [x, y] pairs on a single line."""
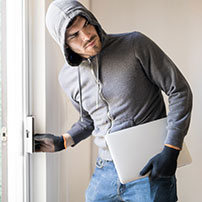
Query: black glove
{"points": [[48, 143], [163, 164]]}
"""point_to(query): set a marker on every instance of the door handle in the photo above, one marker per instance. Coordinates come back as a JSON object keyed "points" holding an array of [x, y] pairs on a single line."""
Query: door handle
{"points": [[29, 135]]}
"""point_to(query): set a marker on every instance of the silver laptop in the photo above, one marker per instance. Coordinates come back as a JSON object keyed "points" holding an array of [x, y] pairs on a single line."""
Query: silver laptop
{"points": [[133, 147]]}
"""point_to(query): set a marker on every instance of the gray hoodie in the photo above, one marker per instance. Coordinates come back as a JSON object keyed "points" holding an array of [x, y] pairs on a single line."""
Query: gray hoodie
{"points": [[121, 86]]}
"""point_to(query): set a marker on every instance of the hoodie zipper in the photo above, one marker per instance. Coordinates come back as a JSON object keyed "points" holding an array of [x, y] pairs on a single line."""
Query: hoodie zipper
{"points": [[110, 118]]}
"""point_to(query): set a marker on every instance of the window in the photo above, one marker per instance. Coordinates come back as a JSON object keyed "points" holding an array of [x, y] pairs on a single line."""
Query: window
{"points": [[3, 145], [0, 107], [12, 60]]}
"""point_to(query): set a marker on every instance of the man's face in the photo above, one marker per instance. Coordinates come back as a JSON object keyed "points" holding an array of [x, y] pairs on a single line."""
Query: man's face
{"points": [[83, 38]]}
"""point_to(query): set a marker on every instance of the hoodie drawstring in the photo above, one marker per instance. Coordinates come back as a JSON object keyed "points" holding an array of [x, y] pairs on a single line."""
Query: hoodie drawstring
{"points": [[80, 89], [97, 73], [80, 94]]}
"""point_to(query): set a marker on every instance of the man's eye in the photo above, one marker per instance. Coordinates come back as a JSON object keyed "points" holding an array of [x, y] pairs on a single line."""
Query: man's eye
{"points": [[73, 36]]}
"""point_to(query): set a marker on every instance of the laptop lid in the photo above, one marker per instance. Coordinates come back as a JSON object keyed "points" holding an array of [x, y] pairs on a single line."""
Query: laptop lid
{"points": [[133, 147]]}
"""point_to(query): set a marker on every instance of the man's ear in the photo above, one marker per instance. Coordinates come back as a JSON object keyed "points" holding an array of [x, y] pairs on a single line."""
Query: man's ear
{"points": [[66, 45]]}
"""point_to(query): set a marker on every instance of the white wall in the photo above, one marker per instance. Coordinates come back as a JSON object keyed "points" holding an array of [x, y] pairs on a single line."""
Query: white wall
{"points": [[176, 26]]}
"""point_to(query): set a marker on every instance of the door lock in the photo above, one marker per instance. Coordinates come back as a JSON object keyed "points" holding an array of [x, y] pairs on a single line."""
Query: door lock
{"points": [[3, 134]]}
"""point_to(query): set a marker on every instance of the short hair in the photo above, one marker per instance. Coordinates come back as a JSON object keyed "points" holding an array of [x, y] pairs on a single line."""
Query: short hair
{"points": [[73, 20]]}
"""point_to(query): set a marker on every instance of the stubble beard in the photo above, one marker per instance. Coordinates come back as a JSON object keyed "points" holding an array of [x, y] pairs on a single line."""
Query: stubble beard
{"points": [[95, 49]]}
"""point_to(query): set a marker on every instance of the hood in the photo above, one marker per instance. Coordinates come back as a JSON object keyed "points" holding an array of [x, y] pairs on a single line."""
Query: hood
{"points": [[59, 14]]}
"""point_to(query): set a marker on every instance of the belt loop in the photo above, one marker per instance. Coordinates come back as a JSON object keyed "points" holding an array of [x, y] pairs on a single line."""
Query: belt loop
{"points": [[99, 163]]}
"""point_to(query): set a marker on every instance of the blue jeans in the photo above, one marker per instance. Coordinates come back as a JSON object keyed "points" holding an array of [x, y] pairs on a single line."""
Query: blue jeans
{"points": [[106, 187]]}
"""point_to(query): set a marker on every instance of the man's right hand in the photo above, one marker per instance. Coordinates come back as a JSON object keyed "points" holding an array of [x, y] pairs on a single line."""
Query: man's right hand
{"points": [[48, 143]]}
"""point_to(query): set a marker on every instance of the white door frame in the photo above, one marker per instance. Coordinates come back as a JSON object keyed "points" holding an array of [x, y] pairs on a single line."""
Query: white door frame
{"points": [[15, 105]]}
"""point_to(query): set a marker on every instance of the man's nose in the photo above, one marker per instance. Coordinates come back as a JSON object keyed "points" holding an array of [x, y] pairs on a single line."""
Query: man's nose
{"points": [[85, 35]]}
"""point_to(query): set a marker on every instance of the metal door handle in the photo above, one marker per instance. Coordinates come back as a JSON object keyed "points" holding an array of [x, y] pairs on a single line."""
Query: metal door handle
{"points": [[29, 135]]}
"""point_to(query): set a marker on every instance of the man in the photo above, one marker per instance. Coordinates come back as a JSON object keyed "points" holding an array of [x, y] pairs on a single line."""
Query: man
{"points": [[115, 81]]}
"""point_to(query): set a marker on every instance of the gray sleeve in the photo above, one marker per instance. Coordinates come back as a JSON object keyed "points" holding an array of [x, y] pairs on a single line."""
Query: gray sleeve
{"points": [[163, 72], [81, 129]]}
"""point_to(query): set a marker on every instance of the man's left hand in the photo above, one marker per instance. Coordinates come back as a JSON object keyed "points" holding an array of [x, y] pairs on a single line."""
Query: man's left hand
{"points": [[163, 164]]}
